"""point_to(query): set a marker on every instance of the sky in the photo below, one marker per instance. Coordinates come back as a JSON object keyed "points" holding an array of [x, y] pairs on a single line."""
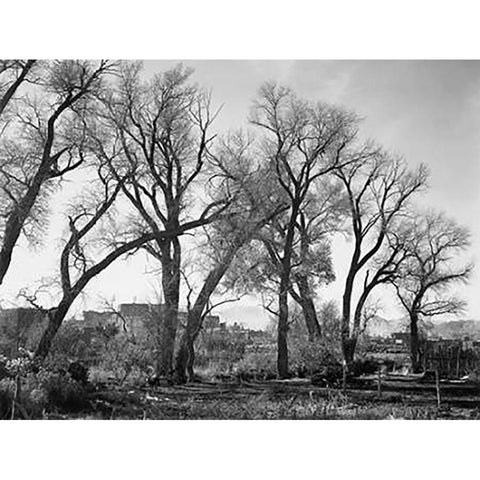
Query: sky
{"points": [[427, 111]]}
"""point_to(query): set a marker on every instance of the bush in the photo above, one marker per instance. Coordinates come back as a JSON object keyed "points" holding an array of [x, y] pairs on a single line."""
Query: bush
{"points": [[59, 391], [256, 366], [363, 366], [307, 357]]}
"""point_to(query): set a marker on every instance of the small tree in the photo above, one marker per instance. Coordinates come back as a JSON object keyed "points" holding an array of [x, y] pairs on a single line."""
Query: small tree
{"points": [[430, 269]]}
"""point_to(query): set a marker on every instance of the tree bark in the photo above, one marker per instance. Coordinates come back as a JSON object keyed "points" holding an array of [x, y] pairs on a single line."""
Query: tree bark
{"points": [[184, 359], [171, 291], [414, 343], [55, 318], [348, 344], [308, 308], [286, 268]]}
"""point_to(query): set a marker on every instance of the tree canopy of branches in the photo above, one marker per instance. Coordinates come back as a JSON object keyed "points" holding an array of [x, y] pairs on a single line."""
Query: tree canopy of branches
{"points": [[43, 139], [379, 188], [305, 142], [162, 127], [257, 201], [430, 268]]}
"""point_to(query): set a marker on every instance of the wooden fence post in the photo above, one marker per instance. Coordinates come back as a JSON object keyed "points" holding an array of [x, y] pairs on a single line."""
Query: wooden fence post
{"points": [[437, 386]]}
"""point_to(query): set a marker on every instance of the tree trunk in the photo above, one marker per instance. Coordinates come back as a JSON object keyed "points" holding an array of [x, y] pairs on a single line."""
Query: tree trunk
{"points": [[55, 318], [185, 356], [414, 343], [308, 309], [171, 292], [348, 343], [348, 349], [282, 333]]}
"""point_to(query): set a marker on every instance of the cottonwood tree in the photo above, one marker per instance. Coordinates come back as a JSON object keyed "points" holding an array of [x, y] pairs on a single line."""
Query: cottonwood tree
{"points": [[95, 240], [379, 188], [163, 128], [304, 141], [431, 268], [43, 141], [256, 202]]}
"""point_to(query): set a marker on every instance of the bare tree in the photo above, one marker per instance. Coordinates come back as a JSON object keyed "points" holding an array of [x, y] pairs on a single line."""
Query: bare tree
{"points": [[45, 142], [87, 252], [429, 270], [257, 201], [305, 142], [378, 189], [163, 129]]}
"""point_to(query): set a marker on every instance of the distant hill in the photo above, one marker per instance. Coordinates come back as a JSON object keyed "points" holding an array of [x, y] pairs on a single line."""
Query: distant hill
{"points": [[458, 329], [382, 327]]}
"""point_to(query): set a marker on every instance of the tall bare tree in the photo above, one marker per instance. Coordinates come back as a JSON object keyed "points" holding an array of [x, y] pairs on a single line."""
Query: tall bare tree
{"points": [[305, 142], [378, 189], [95, 241], [44, 141], [257, 201], [163, 126], [430, 269]]}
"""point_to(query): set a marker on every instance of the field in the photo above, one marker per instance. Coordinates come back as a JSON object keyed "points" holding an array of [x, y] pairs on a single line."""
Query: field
{"points": [[400, 398]]}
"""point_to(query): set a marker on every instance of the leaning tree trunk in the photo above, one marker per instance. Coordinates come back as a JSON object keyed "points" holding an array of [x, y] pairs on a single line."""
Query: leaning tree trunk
{"points": [[414, 343], [55, 318], [185, 356], [308, 309]]}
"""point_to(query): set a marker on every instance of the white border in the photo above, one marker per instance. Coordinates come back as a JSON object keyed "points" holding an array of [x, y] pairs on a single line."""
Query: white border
{"points": [[249, 29]]}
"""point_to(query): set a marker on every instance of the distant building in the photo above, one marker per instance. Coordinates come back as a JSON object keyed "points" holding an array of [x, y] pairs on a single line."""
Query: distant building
{"points": [[141, 319]]}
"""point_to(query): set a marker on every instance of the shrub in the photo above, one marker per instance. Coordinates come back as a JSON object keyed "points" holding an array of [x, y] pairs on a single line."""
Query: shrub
{"points": [[308, 357], [59, 391], [363, 366], [256, 366]]}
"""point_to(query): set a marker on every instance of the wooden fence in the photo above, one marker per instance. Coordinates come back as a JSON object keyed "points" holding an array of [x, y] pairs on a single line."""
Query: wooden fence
{"points": [[451, 359]]}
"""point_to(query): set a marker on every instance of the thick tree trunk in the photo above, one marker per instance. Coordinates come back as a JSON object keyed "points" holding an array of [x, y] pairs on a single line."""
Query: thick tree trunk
{"points": [[185, 349], [308, 309], [282, 333], [414, 343], [169, 321], [348, 349], [348, 343], [55, 318]]}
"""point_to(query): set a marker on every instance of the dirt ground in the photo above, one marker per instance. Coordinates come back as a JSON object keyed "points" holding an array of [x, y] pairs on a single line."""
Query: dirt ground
{"points": [[399, 398]]}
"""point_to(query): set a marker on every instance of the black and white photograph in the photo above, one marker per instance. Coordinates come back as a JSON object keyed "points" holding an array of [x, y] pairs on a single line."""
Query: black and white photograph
{"points": [[239, 240], [179, 246]]}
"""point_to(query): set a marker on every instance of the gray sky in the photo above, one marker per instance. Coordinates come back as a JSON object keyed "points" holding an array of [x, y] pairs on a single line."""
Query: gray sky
{"points": [[428, 111]]}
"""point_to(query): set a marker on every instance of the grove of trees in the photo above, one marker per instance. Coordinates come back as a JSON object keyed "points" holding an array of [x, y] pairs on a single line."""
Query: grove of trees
{"points": [[262, 206]]}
